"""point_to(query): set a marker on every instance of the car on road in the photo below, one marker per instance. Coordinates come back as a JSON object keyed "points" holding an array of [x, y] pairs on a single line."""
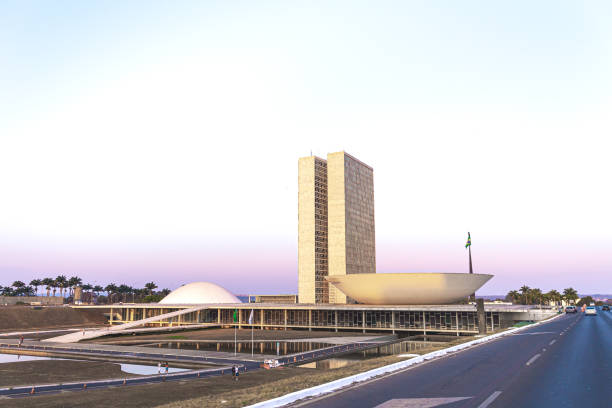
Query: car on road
{"points": [[571, 309], [605, 308], [590, 310]]}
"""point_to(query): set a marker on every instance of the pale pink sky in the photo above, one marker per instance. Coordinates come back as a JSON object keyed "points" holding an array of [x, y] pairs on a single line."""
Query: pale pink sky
{"points": [[271, 266], [161, 142]]}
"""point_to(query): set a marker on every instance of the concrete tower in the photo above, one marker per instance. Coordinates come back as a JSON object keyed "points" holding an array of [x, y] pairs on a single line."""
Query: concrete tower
{"points": [[312, 230], [335, 224], [350, 219]]}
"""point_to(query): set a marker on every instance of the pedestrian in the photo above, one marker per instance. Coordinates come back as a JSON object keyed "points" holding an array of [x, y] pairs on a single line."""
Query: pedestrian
{"points": [[159, 367], [233, 371], [166, 368], [83, 332], [20, 340], [237, 373]]}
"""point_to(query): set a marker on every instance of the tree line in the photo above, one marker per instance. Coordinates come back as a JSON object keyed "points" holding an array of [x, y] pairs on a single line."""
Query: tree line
{"points": [[102, 294], [534, 296]]}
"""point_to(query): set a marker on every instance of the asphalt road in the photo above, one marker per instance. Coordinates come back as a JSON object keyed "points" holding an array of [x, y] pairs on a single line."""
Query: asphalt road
{"points": [[564, 363]]}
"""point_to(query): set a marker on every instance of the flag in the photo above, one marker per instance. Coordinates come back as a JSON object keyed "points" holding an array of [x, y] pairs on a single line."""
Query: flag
{"points": [[251, 317], [235, 315], [469, 241]]}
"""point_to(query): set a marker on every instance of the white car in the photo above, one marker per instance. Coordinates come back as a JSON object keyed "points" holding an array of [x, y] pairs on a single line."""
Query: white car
{"points": [[590, 310]]}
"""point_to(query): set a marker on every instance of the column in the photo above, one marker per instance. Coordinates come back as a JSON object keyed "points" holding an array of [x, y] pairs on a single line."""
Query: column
{"points": [[482, 317], [261, 321], [363, 325], [392, 322], [309, 319], [285, 321], [336, 317], [424, 326], [457, 322]]}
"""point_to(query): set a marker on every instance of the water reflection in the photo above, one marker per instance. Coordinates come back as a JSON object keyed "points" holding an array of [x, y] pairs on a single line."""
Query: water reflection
{"points": [[260, 347], [126, 368]]}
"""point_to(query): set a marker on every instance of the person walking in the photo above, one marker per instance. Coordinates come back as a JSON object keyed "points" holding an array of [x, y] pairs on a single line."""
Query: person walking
{"points": [[233, 372], [20, 340], [159, 367], [166, 368], [237, 373]]}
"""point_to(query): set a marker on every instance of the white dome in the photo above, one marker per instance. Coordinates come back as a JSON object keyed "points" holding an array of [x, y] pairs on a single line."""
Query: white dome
{"points": [[199, 293]]}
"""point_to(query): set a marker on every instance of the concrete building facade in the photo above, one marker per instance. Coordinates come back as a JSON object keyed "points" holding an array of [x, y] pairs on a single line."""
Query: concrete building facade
{"points": [[336, 234], [351, 239], [312, 231]]}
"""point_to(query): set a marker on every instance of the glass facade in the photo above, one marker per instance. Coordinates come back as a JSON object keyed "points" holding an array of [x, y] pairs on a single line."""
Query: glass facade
{"points": [[330, 319]]}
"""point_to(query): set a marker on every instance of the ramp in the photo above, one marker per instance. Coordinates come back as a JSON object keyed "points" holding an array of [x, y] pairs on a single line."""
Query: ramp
{"points": [[92, 334]]}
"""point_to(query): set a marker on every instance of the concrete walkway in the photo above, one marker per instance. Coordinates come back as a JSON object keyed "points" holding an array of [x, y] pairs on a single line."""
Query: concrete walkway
{"points": [[136, 352]]}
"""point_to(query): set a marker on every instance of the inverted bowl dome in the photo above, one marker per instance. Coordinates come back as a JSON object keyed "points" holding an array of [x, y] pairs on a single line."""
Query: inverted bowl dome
{"points": [[199, 293], [409, 288]]}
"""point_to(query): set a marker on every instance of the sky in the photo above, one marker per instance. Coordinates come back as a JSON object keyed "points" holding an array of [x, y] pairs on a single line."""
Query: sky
{"points": [[158, 141]]}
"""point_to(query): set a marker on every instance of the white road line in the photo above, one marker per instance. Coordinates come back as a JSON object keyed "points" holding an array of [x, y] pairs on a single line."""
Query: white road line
{"points": [[489, 400], [552, 342], [532, 359]]}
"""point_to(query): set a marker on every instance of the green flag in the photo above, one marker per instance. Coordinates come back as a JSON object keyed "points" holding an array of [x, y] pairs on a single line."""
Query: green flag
{"points": [[469, 241], [235, 315]]}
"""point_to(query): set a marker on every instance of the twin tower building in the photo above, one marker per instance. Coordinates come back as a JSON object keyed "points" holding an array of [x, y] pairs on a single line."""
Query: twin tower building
{"points": [[335, 224]]}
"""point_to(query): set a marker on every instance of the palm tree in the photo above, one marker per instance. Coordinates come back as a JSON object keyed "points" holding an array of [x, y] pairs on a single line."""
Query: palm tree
{"points": [[18, 285], [65, 286], [536, 295], [124, 290], [151, 286], [61, 282], [514, 296], [97, 289], [110, 289], [48, 282], [525, 292], [73, 282], [36, 283], [570, 294], [554, 296], [88, 287]]}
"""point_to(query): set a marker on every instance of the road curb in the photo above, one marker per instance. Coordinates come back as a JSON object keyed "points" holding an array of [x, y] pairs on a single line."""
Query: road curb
{"points": [[344, 382]]}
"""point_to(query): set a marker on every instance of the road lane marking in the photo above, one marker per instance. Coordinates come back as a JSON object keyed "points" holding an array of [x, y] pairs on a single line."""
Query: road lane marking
{"points": [[419, 402], [532, 359], [531, 334], [489, 400], [552, 342]]}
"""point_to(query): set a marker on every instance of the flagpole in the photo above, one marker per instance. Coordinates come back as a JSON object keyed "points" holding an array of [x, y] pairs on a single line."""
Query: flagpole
{"points": [[234, 338], [470, 251], [252, 343], [471, 268]]}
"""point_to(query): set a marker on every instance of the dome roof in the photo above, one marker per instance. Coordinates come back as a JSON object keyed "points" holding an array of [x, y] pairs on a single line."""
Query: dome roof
{"points": [[199, 293]]}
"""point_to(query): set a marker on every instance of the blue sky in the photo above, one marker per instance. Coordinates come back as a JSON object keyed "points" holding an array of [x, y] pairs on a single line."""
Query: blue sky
{"points": [[160, 140]]}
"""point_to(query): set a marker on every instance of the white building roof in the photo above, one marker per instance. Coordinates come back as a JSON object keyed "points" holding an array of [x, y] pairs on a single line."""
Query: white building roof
{"points": [[199, 293]]}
